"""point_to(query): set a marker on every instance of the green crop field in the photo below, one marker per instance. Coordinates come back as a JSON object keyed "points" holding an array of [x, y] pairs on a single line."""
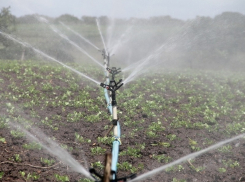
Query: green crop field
{"points": [[164, 115]]}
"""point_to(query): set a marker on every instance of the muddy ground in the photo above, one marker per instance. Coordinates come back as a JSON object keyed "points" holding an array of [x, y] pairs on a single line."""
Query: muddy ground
{"points": [[207, 167]]}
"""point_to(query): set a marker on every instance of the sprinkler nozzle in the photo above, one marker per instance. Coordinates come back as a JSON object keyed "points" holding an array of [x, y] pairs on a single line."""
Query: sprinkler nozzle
{"points": [[103, 85]]}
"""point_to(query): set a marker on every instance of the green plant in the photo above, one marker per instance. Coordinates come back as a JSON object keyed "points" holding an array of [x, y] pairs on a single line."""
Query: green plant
{"points": [[161, 158], [156, 126], [178, 180], [2, 140], [66, 147], [17, 133], [61, 178], [193, 145], [74, 117], [105, 140], [151, 134], [97, 164], [49, 162], [135, 152], [126, 166], [225, 149], [80, 139], [197, 169], [1, 174], [171, 137], [17, 157], [30, 176], [32, 146], [175, 168], [230, 163], [222, 170], [97, 150]]}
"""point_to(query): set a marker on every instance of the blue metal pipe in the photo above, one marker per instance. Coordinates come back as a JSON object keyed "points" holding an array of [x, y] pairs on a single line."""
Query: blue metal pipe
{"points": [[107, 98], [115, 150]]}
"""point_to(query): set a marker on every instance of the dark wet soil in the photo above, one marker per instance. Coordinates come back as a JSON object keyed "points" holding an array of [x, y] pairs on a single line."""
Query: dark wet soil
{"points": [[214, 166]]}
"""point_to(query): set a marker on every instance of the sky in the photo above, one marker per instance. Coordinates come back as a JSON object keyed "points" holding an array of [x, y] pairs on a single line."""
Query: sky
{"points": [[180, 9]]}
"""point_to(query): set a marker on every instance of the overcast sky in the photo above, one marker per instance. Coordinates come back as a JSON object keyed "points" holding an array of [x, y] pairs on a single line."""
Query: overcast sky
{"points": [[181, 9]]}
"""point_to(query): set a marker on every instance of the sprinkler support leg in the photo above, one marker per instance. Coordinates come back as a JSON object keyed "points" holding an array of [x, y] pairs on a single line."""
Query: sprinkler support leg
{"points": [[107, 171]]}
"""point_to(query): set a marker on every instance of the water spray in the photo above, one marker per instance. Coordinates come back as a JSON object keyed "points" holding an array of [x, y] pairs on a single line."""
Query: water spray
{"points": [[98, 25], [86, 40], [53, 148], [187, 157], [68, 40], [47, 56]]}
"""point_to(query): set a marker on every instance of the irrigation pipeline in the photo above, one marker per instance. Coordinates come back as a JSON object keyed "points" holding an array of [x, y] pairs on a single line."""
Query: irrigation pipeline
{"points": [[110, 87]]}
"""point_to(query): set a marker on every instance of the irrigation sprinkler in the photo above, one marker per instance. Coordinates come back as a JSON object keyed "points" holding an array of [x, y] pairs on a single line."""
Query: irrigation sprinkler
{"points": [[113, 71], [107, 79], [110, 87], [113, 87]]}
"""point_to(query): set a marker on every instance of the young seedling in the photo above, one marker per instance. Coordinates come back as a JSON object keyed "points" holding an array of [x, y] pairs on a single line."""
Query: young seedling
{"points": [[32, 146], [61, 178], [97, 150], [29, 176], [225, 149], [175, 168], [2, 140], [47, 161], [193, 145], [1, 174], [197, 169], [98, 165], [80, 139], [161, 158], [178, 180], [17, 157], [17, 133]]}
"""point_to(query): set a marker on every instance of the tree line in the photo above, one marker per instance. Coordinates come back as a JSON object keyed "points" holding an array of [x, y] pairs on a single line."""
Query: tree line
{"points": [[205, 43]]}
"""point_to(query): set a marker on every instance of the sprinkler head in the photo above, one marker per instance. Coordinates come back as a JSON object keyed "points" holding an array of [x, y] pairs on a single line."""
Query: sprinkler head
{"points": [[113, 86], [103, 85], [113, 71]]}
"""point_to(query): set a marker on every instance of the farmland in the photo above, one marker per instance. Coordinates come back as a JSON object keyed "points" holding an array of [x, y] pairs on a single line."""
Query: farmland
{"points": [[164, 115]]}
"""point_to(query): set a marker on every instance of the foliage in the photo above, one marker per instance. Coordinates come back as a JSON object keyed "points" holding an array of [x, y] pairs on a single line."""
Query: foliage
{"points": [[48, 162], [162, 158], [126, 166], [97, 150], [32, 146], [134, 152], [61, 178], [29, 176], [7, 24], [17, 157], [1, 174], [97, 164], [2, 140], [175, 168]]}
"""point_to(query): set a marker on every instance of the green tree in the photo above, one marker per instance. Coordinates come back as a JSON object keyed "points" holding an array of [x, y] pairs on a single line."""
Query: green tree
{"points": [[7, 25], [67, 18]]}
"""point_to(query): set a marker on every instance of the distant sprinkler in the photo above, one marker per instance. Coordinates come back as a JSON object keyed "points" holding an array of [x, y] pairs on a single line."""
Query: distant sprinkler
{"points": [[106, 57], [113, 71]]}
